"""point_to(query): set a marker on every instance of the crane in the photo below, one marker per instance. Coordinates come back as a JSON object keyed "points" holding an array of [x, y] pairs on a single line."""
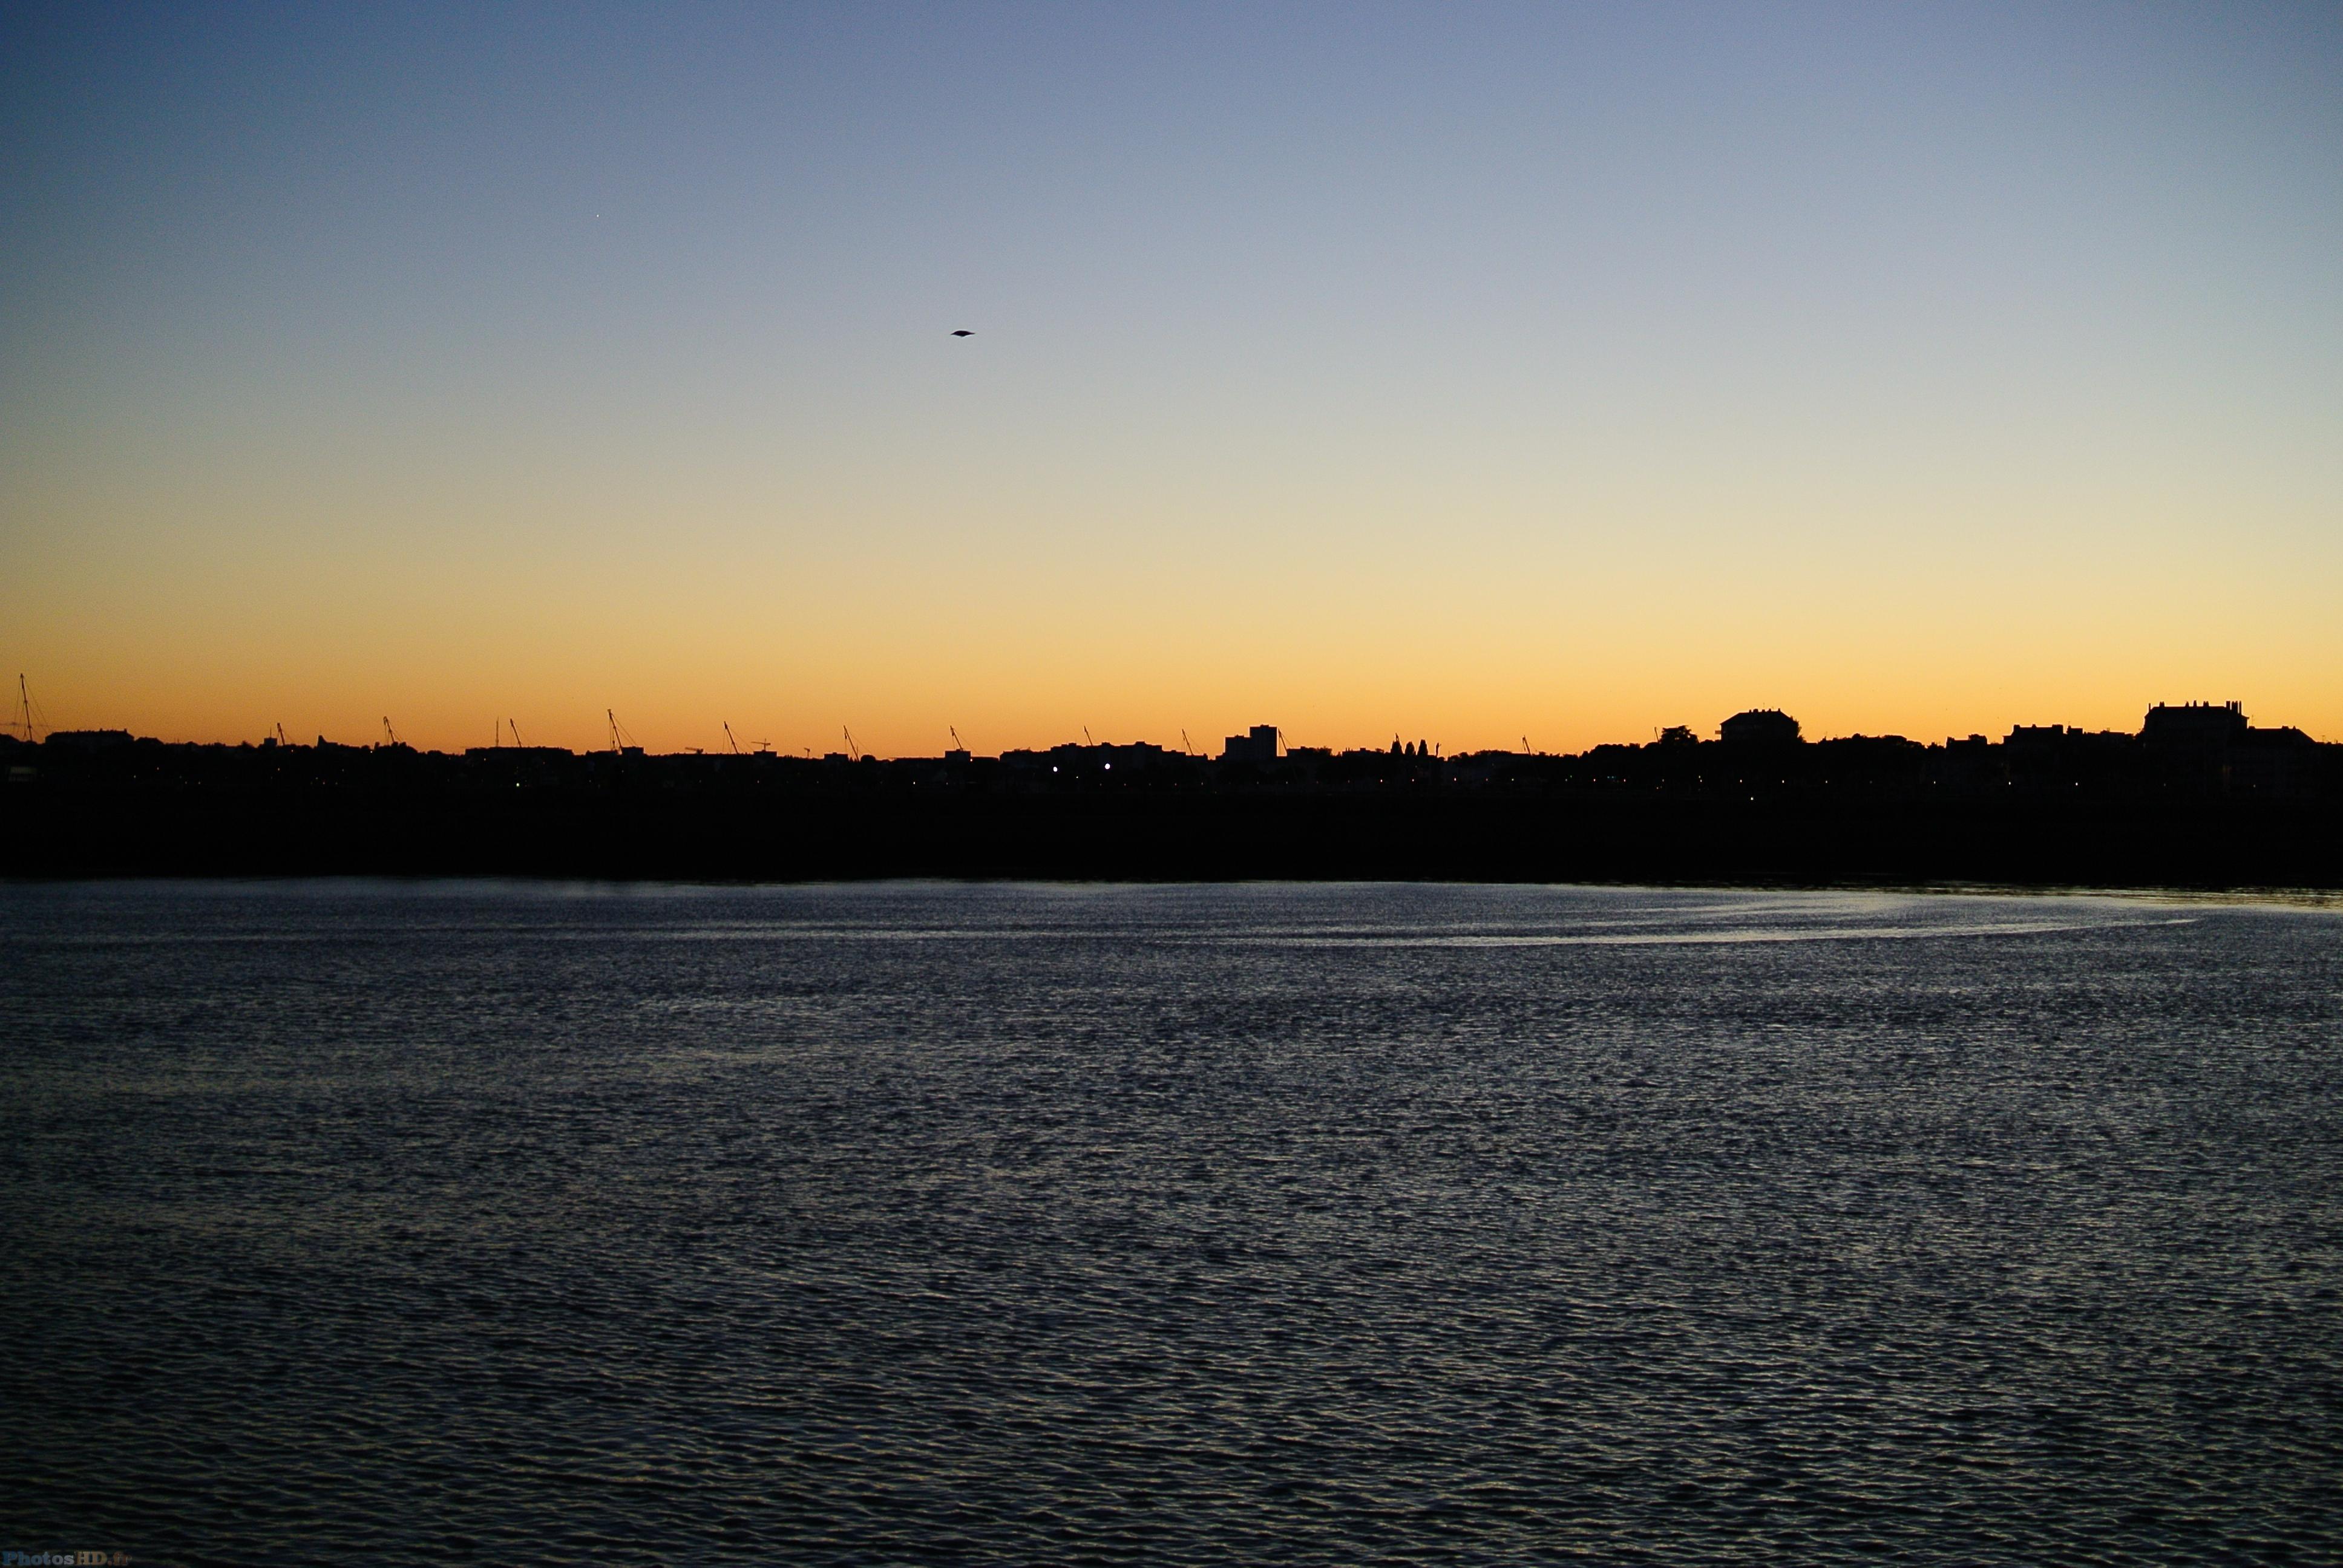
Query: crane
{"points": [[729, 741], [28, 717], [853, 753], [958, 744], [389, 736]]}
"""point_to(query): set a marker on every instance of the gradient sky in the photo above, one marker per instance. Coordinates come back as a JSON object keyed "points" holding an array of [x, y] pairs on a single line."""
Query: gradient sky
{"points": [[1471, 372]]}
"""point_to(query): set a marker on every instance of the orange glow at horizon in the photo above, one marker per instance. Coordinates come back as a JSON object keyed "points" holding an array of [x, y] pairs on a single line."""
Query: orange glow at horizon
{"points": [[1471, 637]]}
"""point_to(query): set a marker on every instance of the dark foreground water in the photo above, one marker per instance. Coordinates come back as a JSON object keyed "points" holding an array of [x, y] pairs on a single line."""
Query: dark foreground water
{"points": [[442, 1224]]}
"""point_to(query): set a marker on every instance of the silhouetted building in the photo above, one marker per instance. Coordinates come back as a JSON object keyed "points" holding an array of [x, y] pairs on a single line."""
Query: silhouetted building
{"points": [[1260, 745], [88, 739], [1759, 727], [1971, 766], [2211, 747], [1069, 760], [2194, 724]]}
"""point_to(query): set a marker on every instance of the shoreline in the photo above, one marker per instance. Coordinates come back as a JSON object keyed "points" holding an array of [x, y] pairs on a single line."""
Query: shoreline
{"points": [[2184, 848]]}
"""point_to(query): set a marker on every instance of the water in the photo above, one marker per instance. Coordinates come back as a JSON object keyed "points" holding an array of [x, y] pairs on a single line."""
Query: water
{"points": [[1003, 1225]]}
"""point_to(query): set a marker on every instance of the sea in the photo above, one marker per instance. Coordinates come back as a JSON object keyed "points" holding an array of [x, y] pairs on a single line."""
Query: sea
{"points": [[993, 1223]]}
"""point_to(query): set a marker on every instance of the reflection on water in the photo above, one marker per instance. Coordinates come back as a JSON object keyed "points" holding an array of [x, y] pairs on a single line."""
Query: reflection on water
{"points": [[1177, 1224]]}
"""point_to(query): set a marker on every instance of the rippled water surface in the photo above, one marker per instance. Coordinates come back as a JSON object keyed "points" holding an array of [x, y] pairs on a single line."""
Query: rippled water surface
{"points": [[1044, 1224]]}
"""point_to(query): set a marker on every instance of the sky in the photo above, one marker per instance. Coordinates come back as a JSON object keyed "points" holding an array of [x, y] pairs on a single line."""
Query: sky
{"points": [[1488, 374]]}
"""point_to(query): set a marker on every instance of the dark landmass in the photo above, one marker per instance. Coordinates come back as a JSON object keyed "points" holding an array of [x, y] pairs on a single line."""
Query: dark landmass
{"points": [[2198, 798]]}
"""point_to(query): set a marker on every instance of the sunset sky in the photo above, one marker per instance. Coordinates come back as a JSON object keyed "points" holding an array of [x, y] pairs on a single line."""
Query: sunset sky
{"points": [[1473, 373]]}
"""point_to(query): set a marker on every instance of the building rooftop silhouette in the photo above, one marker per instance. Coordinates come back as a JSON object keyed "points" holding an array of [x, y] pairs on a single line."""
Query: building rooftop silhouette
{"points": [[1260, 746], [2195, 724], [1759, 727]]}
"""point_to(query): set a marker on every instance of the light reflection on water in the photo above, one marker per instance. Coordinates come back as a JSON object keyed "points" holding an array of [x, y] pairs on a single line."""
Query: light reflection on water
{"points": [[1169, 1224]]}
